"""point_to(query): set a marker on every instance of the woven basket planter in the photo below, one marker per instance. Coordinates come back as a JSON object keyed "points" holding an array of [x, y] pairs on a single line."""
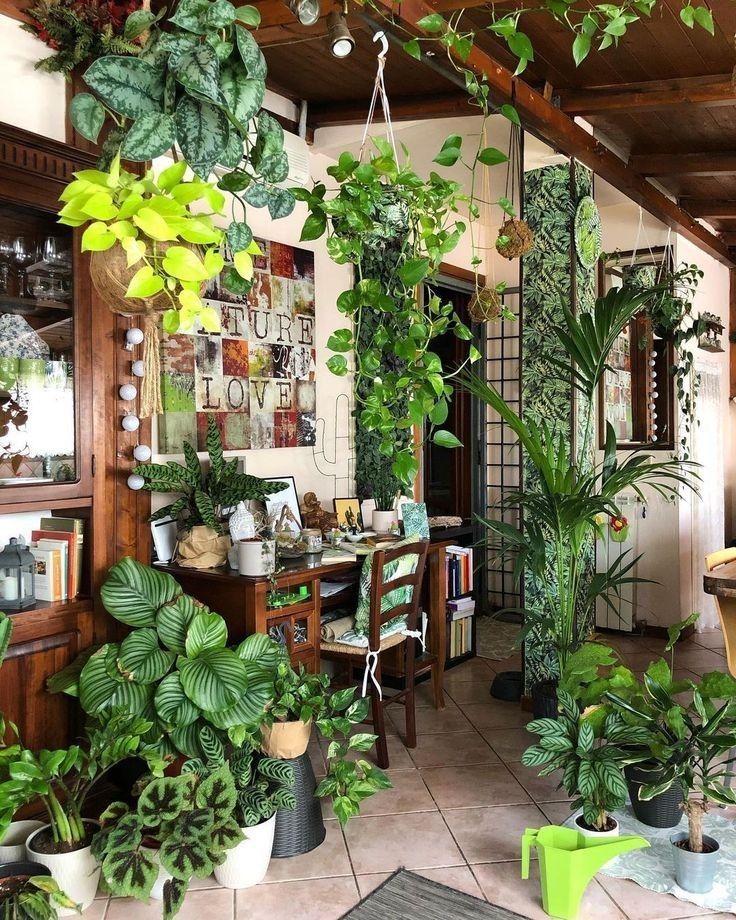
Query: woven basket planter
{"points": [[302, 829]]}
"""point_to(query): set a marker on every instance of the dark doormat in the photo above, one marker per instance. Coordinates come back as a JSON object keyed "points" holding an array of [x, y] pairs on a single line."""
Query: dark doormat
{"points": [[407, 896]]}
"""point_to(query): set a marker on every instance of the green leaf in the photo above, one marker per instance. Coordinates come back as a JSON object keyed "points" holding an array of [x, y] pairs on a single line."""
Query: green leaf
{"points": [[251, 54], [153, 224], [687, 15], [162, 800], [432, 23], [217, 793], [314, 226], [185, 857], [448, 156], [184, 264], [337, 365], [580, 48], [87, 116], [413, 271], [207, 631], [130, 871], [137, 23], [96, 687], [142, 659], [97, 238], [221, 14], [127, 85], [521, 46], [239, 236], [491, 156], [133, 593], [172, 704], [174, 893], [412, 48], [281, 203], [144, 283], [510, 113], [704, 18], [203, 132], [444, 438], [198, 71], [191, 15], [250, 15], [150, 136], [214, 680], [243, 94]]}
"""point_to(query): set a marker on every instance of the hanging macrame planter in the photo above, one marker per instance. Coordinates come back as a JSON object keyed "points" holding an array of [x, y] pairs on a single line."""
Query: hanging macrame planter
{"points": [[111, 276]]}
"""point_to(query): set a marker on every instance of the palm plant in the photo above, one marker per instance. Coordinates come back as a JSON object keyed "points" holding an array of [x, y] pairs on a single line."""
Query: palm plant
{"points": [[559, 513]]}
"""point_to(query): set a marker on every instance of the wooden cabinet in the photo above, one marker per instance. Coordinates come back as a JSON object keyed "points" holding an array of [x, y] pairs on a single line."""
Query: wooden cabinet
{"points": [[89, 338]]}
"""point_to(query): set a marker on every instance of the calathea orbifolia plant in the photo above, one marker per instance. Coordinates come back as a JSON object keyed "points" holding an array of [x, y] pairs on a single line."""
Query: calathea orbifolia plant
{"points": [[174, 667], [399, 381], [188, 819], [196, 87], [206, 493]]}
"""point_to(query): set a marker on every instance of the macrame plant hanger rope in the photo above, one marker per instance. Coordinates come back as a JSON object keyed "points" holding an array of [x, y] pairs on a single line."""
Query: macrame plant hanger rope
{"points": [[379, 93]]}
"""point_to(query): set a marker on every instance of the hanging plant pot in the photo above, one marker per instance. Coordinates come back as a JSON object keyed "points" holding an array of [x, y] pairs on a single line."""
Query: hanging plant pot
{"points": [[485, 305], [515, 239]]}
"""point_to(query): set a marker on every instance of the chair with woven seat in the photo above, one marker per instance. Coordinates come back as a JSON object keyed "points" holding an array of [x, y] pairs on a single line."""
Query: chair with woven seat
{"points": [[390, 589], [726, 606]]}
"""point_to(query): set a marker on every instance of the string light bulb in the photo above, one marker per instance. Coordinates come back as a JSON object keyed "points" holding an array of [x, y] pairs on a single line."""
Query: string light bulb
{"points": [[142, 453], [131, 422], [136, 482]]}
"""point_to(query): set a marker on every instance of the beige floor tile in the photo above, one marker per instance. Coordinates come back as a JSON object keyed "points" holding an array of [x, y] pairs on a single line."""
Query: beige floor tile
{"points": [[643, 904], [408, 794], [471, 691], [711, 639], [556, 812], [218, 902], [496, 714], [467, 787], [398, 756], [701, 660], [492, 834], [502, 885], [475, 669], [432, 721], [447, 750], [641, 660], [96, 910], [509, 743], [386, 842], [317, 758], [458, 877], [540, 788], [313, 899], [328, 859]]}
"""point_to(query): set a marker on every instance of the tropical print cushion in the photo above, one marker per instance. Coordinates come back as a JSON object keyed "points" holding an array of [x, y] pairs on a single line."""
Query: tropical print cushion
{"points": [[406, 565]]}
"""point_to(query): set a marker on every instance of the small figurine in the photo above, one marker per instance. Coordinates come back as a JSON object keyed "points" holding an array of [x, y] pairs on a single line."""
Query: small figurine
{"points": [[315, 515]]}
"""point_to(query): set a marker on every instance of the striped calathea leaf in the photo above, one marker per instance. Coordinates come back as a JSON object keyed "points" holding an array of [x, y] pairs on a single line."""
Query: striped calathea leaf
{"points": [[197, 86]]}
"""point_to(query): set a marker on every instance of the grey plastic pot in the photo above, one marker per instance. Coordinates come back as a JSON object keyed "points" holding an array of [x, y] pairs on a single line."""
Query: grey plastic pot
{"points": [[694, 871]]}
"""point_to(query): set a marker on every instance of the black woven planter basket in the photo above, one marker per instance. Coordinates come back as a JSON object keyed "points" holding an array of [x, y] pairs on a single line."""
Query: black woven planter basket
{"points": [[544, 700], [302, 829], [664, 809]]}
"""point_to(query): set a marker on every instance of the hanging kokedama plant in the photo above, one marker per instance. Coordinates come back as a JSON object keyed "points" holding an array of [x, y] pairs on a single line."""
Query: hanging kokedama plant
{"points": [[515, 238], [485, 305]]}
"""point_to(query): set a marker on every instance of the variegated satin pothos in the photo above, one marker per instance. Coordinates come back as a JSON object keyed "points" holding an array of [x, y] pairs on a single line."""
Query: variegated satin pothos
{"points": [[196, 88]]}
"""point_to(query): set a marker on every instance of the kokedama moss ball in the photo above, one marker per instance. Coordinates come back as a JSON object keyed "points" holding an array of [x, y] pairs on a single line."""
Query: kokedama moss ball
{"points": [[485, 305], [515, 239]]}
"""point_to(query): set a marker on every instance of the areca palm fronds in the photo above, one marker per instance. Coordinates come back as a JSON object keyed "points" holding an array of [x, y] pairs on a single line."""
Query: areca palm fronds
{"points": [[561, 514]]}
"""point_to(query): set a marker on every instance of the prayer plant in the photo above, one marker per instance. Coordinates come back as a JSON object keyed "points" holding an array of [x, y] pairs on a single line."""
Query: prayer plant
{"points": [[560, 509], [36, 897]]}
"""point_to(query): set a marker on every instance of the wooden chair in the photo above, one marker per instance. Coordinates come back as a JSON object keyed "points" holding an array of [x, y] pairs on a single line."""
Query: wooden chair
{"points": [[726, 606], [351, 656]]}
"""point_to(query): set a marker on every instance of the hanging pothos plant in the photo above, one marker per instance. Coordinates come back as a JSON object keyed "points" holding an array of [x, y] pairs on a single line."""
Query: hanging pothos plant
{"points": [[399, 380], [197, 87]]}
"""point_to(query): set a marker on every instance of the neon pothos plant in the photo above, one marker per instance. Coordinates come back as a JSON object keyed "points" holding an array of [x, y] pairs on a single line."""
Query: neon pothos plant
{"points": [[399, 380], [206, 493], [187, 818], [196, 86], [174, 667], [560, 512]]}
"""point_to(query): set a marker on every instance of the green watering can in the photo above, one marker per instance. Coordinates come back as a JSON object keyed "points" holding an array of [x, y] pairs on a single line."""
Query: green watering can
{"points": [[568, 860]]}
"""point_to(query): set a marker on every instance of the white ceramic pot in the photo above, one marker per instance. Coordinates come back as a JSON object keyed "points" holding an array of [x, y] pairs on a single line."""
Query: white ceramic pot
{"points": [[587, 832], [385, 521], [13, 844], [256, 558], [157, 892], [77, 873], [246, 863]]}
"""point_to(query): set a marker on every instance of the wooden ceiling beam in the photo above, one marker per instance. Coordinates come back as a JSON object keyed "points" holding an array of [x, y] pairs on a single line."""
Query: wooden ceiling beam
{"points": [[728, 238], [709, 207], [277, 12], [403, 108], [559, 130], [656, 94], [683, 164]]}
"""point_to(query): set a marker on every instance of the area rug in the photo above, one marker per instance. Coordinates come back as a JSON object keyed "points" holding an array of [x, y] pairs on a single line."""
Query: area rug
{"points": [[496, 638], [407, 896], [653, 868]]}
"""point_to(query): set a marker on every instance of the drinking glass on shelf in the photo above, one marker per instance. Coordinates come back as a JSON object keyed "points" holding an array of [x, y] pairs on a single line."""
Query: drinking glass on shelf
{"points": [[23, 253], [6, 257], [54, 251]]}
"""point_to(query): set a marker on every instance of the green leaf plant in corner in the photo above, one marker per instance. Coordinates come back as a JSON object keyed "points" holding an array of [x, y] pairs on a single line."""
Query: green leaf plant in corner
{"points": [[208, 494], [195, 88], [35, 897]]}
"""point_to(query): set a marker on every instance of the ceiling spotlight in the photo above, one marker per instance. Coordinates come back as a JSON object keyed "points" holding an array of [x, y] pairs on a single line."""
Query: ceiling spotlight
{"points": [[341, 41], [306, 11]]}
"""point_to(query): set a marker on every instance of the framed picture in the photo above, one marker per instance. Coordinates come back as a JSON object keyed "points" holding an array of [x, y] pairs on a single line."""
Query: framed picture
{"points": [[348, 512], [275, 503]]}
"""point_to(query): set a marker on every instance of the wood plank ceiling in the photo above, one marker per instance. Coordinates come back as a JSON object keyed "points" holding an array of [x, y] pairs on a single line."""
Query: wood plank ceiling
{"points": [[664, 98]]}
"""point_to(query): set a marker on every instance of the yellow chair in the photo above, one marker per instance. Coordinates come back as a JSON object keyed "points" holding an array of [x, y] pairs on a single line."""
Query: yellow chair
{"points": [[726, 606]]}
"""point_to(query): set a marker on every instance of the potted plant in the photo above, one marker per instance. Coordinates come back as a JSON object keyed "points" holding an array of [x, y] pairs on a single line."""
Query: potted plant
{"points": [[263, 785], [591, 754], [385, 516], [691, 741], [562, 501], [182, 824], [174, 663], [27, 892], [206, 498], [61, 781]]}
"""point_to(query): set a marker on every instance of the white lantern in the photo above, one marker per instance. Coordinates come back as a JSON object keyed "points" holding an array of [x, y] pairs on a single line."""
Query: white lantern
{"points": [[142, 453], [127, 392], [135, 482], [131, 422], [134, 336], [137, 368]]}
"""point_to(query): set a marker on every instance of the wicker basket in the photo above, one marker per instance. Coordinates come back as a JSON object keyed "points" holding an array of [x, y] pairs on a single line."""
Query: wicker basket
{"points": [[302, 829], [111, 276], [517, 237]]}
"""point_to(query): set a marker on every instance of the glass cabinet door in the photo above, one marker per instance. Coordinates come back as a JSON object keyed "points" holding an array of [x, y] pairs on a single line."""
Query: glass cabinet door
{"points": [[37, 418]]}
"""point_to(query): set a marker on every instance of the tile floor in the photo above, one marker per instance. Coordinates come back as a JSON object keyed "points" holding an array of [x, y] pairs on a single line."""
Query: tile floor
{"points": [[460, 802]]}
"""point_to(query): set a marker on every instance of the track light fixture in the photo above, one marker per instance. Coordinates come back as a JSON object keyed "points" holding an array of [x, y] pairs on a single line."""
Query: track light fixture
{"points": [[306, 11], [341, 41]]}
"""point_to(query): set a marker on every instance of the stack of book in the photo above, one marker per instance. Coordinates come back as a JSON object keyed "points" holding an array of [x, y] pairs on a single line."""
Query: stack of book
{"points": [[57, 548], [459, 570]]}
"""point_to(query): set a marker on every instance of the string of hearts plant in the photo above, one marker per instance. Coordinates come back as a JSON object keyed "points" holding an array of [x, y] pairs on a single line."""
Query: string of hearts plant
{"points": [[195, 89]]}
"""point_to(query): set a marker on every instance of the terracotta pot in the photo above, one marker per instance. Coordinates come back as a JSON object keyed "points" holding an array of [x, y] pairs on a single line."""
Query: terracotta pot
{"points": [[286, 740]]}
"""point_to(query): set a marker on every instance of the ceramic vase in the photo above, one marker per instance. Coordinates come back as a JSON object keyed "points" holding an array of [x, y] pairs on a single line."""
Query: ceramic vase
{"points": [[77, 873], [247, 862]]}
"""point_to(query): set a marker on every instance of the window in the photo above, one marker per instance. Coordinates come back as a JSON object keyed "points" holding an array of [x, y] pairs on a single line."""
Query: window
{"points": [[637, 393]]}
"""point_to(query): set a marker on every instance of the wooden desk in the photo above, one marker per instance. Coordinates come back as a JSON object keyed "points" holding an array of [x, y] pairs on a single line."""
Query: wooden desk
{"points": [[721, 581], [243, 602]]}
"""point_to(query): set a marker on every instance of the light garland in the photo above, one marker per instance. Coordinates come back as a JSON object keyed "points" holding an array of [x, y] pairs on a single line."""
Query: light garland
{"points": [[128, 393]]}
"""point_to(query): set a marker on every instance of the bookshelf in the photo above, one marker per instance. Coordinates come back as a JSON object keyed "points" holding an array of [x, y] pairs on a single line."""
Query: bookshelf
{"points": [[461, 590]]}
